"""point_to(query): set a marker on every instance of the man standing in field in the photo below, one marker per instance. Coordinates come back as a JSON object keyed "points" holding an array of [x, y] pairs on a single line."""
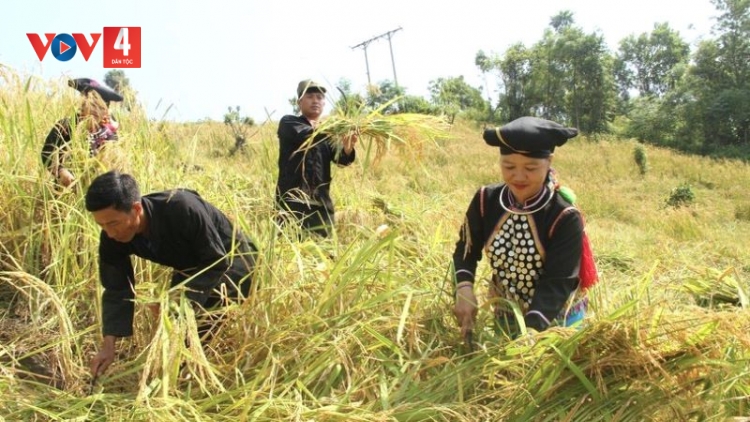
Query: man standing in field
{"points": [[303, 187], [176, 228]]}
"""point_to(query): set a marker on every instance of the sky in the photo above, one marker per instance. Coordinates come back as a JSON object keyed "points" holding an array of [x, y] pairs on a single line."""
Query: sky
{"points": [[201, 56]]}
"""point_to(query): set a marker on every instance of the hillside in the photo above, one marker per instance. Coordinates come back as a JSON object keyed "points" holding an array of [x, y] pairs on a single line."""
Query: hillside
{"points": [[369, 335]]}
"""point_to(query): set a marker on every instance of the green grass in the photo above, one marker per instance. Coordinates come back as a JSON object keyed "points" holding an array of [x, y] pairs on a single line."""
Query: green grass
{"points": [[370, 336]]}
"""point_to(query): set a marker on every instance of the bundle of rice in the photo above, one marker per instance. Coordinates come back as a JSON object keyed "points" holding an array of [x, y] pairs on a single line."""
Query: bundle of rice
{"points": [[711, 288], [378, 132]]}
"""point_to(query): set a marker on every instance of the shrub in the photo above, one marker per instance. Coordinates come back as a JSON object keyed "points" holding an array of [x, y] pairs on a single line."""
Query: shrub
{"points": [[641, 159], [742, 212], [681, 195]]}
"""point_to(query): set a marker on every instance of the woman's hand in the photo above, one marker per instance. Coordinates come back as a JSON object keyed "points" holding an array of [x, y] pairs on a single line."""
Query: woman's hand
{"points": [[65, 177], [466, 307]]}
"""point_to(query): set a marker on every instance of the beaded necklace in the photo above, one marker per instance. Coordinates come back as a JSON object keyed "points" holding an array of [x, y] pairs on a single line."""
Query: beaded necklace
{"points": [[530, 209]]}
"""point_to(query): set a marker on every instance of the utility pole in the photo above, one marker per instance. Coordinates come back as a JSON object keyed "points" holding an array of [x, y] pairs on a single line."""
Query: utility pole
{"points": [[364, 45], [390, 47]]}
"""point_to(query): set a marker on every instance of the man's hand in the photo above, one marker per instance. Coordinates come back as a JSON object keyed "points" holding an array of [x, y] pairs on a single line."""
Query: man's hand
{"points": [[65, 177], [104, 358], [155, 309], [349, 142], [466, 307]]}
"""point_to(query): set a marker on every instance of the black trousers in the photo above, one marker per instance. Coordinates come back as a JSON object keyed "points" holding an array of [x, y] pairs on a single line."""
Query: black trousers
{"points": [[317, 219], [234, 287]]}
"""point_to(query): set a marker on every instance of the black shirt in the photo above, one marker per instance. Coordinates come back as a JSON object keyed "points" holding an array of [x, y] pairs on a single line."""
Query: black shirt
{"points": [[306, 175], [556, 235], [185, 233], [59, 137]]}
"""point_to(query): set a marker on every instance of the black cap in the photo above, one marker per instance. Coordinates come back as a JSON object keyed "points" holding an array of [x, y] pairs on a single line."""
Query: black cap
{"points": [[530, 136], [84, 85], [308, 85]]}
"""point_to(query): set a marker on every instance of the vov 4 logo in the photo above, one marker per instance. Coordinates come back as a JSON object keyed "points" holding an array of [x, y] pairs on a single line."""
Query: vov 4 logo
{"points": [[122, 46]]}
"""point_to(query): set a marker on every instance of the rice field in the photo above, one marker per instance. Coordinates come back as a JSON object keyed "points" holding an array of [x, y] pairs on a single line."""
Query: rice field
{"points": [[368, 335]]}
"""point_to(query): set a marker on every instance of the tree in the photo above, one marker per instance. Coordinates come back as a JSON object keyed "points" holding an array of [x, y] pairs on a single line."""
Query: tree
{"points": [[239, 126], [385, 91], [293, 101], [722, 78], [485, 65], [590, 98], [566, 77], [453, 96], [703, 106], [645, 62], [483, 62], [515, 73], [733, 26], [562, 21], [547, 82], [117, 80], [416, 104], [569, 77]]}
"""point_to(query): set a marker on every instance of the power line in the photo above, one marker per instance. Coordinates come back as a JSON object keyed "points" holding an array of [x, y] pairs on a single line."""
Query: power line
{"points": [[366, 43]]}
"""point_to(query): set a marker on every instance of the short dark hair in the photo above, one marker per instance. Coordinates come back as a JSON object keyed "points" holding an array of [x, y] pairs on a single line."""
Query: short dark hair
{"points": [[112, 189]]}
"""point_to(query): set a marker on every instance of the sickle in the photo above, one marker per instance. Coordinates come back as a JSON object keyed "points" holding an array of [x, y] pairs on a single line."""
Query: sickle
{"points": [[469, 340], [346, 101], [93, 384]]}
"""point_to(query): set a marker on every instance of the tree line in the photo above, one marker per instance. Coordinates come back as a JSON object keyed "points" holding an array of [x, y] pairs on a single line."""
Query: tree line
{"points": [[653, 87]]}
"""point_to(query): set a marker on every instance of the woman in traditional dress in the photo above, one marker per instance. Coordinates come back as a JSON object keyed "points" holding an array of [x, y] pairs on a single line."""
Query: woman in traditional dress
{"points": [[530, 231], [93, 116]]}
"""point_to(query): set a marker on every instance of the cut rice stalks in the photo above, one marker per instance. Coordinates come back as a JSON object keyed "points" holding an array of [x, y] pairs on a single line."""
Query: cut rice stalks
{"points": [[712, 288], [378, 133]]}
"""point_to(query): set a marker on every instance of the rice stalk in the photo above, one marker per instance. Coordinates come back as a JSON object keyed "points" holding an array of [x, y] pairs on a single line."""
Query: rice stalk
{"points": [[378, 133], [711, 287]]}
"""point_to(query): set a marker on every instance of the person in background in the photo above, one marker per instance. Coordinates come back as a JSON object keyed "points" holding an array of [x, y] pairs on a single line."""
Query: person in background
{"points": [[175, 228], [303, 187], [93, 115], [530, 231]]}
